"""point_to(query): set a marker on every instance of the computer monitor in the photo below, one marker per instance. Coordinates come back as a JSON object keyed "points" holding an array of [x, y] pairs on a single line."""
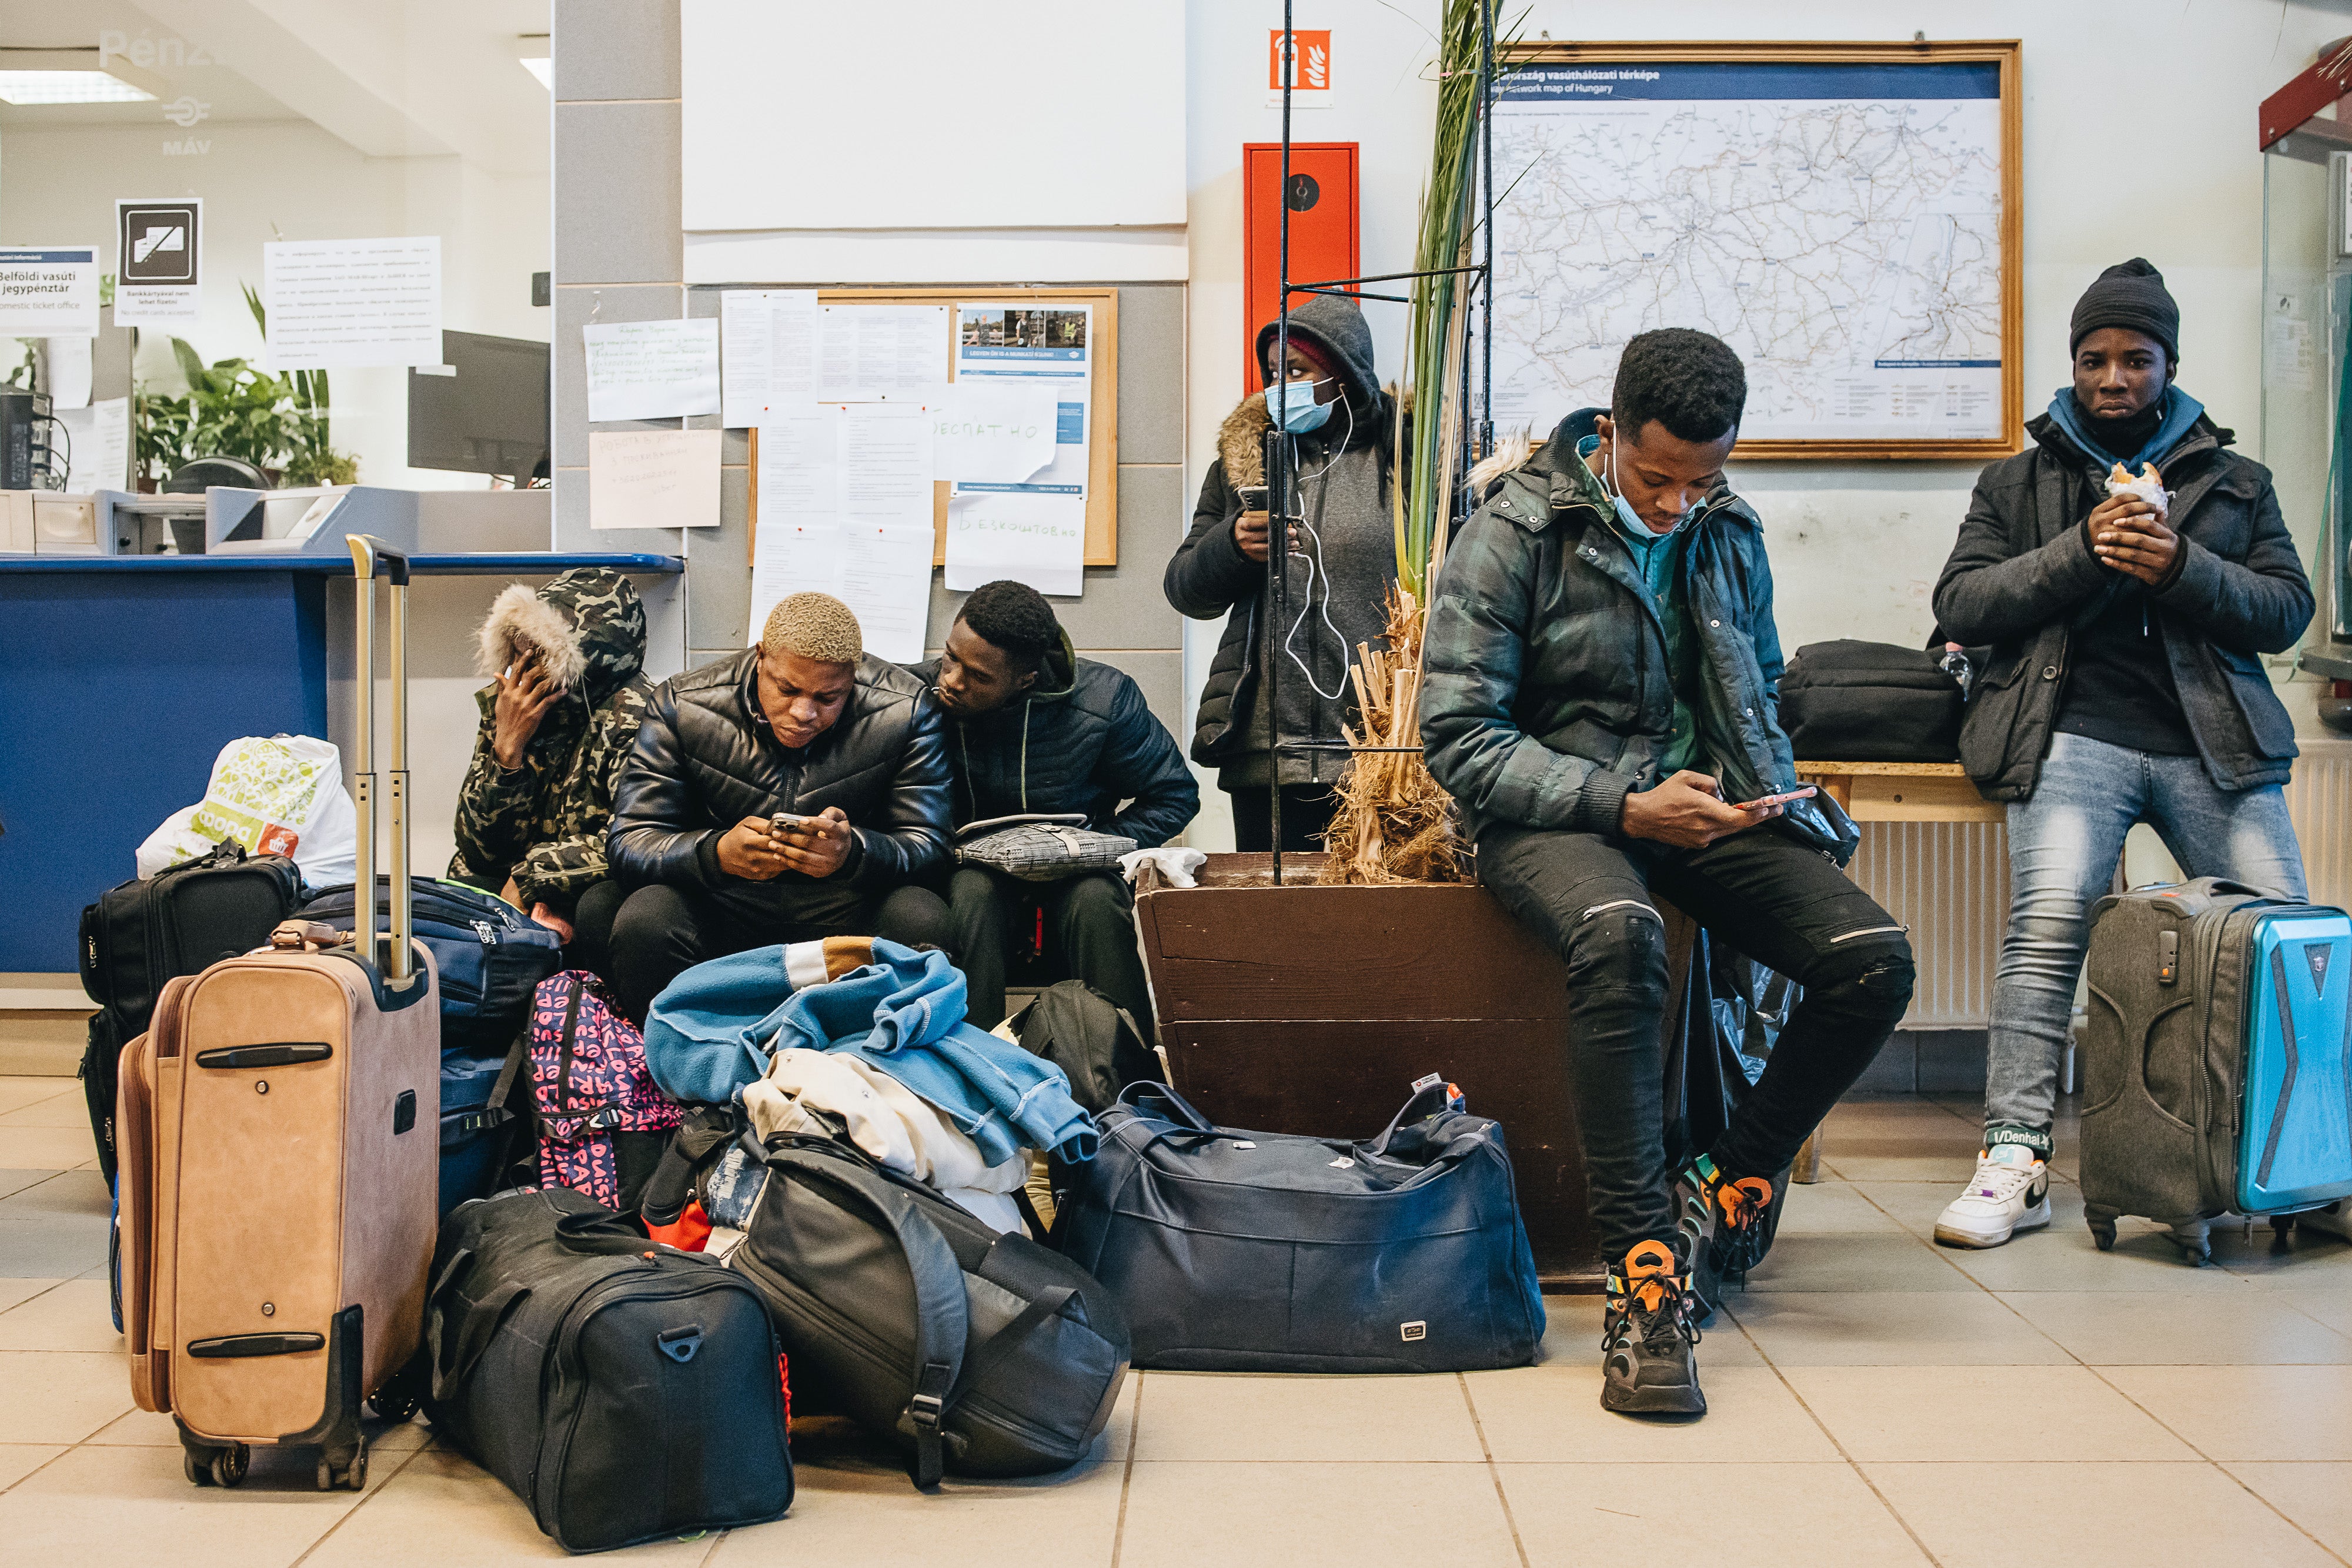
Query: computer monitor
{"points": [[483, 410]]}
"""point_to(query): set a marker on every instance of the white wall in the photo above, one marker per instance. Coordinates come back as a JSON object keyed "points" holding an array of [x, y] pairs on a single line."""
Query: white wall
{"points": [[288, 179], [2156, 159]]}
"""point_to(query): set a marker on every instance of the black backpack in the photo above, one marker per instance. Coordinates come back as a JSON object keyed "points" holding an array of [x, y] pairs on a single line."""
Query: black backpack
{"points": [[179, 921], [976, 1352], [1091, 1038], [625, 1391], [488, 957], [1870, 702]]}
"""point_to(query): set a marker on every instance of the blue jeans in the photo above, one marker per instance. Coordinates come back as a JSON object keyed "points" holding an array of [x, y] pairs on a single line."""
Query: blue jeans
{"points": [[2063, 844]]}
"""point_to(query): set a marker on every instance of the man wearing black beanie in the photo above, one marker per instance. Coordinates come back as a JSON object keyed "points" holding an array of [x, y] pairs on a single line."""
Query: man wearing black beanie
{"points": [[2126, 685]]}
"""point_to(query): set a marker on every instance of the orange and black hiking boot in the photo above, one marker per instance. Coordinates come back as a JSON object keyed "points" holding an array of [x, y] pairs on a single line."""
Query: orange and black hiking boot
{"points": [[1726, 1226], [1647, 1367]]}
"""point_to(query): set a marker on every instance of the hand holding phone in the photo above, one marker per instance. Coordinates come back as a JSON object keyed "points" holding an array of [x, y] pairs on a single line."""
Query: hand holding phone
{"points": [[1803, 791], [788, 822]]}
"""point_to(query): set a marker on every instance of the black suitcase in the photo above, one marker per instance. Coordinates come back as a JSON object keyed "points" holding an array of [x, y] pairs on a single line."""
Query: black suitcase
{"points": [[1870, 702], [490, 957], [152, 929], [626, 1392]]}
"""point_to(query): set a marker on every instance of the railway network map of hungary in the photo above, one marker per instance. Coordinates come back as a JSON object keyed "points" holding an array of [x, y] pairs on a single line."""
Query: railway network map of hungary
{"points": [[1838, 226]]}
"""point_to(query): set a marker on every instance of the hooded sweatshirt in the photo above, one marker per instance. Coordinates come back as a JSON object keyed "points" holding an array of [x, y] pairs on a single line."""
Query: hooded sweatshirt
{"points": [[543, 823], [1337, 583]]}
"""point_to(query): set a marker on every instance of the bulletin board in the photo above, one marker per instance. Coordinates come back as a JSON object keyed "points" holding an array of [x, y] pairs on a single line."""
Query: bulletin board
{"points": [[1102, 408]]}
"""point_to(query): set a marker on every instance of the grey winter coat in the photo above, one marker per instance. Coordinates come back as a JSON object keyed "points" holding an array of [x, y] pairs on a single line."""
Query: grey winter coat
{"points": [[2021, 577], [1547, 698]]}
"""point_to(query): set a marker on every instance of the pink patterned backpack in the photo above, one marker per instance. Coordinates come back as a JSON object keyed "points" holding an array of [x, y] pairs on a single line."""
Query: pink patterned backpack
{"points": [[603, 1121]]}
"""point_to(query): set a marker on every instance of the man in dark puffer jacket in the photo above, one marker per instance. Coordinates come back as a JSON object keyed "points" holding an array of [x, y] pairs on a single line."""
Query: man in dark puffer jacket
{"points": [[1033, 728], [804, 724]]}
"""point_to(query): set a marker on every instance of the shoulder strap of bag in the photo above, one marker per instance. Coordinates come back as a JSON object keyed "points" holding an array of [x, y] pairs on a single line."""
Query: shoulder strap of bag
{"points": [[941, 1321], [1155, 1099], [698, 1139]]}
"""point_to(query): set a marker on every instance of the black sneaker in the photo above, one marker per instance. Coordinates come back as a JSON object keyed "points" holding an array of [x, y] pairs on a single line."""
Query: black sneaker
{"points": [[1723, 1225], [1647, 1367]]}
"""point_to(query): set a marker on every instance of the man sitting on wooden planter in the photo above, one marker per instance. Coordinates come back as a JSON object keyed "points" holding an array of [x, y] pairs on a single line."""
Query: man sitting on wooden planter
{"points": [[1033, 728], [1600, 699]]}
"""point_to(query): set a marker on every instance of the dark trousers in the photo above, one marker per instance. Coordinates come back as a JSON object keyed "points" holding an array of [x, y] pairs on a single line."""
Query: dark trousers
{"points": [[1089, 930], [1307, 811], [1783, 905], [647, 937]]}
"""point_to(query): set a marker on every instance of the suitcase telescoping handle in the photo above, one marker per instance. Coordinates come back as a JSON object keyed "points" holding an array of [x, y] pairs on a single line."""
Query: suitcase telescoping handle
{"points": [[372, 557]]}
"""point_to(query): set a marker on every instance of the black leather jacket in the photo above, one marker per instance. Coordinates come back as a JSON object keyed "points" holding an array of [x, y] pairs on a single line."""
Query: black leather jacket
{"points": [[706, 759]]}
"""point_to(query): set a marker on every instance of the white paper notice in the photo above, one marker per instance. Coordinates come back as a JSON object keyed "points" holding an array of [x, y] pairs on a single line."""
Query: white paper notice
{"points": [[886, 579], [652, 479], [159, 261], [994, 431], [101, 455], [2286, 351], [1036, 537], [652, 369], [339, 302], [792, 555], [48, 291], [886, 464], [800, 463], [768, 341], [881, 353], [68, 365]]}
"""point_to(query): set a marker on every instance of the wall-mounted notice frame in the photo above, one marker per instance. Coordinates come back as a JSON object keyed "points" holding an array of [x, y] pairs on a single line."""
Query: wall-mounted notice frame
{"points": [[1102, 408], [1752, 190]]}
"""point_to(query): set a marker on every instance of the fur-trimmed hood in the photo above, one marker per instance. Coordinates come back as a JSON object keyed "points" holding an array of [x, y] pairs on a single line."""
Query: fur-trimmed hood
{"points": [[1241, 440], [588, 627]]}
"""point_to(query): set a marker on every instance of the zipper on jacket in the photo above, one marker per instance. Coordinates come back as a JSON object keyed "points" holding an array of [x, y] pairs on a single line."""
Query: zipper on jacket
{"points": [[1025, 754]]}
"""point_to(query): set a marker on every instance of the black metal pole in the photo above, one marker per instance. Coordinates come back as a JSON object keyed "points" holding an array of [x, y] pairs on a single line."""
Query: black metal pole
{"points": [[1277, 533], [1487, 284]]}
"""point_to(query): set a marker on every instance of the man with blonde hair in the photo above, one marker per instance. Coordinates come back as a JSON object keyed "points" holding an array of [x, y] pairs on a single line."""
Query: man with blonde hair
{"points": [[797, 789]]}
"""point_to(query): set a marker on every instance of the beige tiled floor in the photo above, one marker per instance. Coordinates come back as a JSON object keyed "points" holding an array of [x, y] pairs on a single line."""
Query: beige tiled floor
{"points": [[1876, 1400]]}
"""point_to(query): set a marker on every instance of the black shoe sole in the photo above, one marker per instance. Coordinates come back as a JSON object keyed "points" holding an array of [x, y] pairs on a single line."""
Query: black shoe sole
{"points": [[1673, 1400]]}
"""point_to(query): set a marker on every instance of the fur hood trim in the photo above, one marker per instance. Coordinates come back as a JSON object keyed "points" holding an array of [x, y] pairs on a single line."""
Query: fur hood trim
{"points": [[1241, 440], [520, 621], [1512, 451]]}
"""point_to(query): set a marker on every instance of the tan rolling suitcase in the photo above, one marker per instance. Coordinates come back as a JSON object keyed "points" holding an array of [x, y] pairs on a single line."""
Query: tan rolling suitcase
{"points": [[281, 1160]]}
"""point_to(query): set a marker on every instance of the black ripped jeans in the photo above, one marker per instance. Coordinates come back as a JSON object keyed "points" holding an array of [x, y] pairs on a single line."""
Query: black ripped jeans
{"points": [[1783, 905]]}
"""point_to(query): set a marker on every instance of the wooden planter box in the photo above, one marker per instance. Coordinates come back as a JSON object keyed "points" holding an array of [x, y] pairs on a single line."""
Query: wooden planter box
{"points": [[1303, 1008]]}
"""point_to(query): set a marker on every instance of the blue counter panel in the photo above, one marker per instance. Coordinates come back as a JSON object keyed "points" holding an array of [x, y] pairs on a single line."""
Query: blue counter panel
{"points": [[116, 690]]}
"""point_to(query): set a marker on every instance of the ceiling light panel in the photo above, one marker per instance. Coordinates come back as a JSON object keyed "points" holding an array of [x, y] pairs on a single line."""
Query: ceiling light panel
{"points": [[68, 87]]}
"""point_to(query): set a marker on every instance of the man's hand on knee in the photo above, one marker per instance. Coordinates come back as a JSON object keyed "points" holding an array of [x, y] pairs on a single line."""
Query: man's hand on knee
{"points": [[1685, 811]]}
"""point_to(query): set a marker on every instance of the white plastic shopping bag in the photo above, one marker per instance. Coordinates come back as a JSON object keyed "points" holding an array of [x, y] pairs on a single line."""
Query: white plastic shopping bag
{"points": [[282, 796]]}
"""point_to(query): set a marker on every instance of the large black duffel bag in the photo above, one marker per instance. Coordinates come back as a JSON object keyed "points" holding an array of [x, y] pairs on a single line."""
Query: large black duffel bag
{"points": [[487, 956], [1870, 702], [181, 921], [980, 1353], [625, 1391], [1236, 1251]]}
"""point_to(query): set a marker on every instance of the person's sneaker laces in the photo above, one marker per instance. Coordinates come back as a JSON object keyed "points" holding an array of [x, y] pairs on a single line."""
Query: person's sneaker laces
{"points": [[1647, 1366], [2009, 1193], [1723, 1220]]}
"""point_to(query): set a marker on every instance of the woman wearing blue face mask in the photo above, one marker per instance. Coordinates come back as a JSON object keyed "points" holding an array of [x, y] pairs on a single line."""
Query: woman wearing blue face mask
{"points": [[1339, 569]]}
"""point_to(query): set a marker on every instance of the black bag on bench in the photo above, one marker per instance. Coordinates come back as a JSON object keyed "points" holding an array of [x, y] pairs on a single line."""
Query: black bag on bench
{"points": [[1870, 702]]}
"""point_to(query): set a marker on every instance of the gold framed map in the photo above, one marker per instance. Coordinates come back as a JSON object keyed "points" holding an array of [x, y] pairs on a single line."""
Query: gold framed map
{"points": [[1845, 215]]}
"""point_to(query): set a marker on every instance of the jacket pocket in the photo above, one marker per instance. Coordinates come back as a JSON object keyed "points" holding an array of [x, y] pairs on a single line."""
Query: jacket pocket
{"points": [[2267, 723]]}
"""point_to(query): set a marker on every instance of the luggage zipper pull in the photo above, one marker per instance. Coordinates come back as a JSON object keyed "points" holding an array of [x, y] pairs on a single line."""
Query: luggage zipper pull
{"points": [[487, 933]]}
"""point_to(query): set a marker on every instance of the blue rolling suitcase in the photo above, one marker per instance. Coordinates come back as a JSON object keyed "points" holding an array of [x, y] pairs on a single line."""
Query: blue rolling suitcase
{"points": [[2217, 1068]]}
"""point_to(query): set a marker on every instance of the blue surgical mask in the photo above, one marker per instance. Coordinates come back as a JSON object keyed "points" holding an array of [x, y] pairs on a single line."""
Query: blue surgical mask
{"points": [[1626, 515], [1294, 407]]}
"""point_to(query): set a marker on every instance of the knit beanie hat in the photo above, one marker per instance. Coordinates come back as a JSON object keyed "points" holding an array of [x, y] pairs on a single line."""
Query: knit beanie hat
{"points": [[2130, 294]]}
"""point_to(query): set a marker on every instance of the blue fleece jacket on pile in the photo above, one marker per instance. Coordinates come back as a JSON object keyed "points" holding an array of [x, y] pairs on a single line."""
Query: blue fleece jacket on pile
{"points": [[712, 1029]]}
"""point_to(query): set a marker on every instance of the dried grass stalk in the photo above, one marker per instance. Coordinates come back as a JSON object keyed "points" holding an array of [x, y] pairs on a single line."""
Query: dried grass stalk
{"points": [[1394, 824]]}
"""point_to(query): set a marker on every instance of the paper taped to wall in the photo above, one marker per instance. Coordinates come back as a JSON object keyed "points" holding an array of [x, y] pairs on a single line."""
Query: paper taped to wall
{"points": [[768, 339], [652, 479], [995, 433], [652, 369]]}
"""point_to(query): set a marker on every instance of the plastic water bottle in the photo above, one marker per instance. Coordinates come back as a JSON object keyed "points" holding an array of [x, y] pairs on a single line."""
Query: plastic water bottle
{"points": [[1955, 663]]}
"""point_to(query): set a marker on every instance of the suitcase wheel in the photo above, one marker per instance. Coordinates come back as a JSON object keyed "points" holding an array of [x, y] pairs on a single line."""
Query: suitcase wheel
{"points": [[403, 1393], [210, 1467], [352, 1473], [2282, 1226], [2102, 1232]]}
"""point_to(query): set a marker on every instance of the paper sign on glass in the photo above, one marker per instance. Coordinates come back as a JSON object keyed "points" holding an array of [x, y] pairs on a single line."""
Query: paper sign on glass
{"points": [[652, 369], [48, 291], [652, 479], [159, 261], [333, 303]]}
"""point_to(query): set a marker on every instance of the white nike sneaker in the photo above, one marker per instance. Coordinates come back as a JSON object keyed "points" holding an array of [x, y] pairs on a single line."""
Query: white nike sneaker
{"points": [[2009, 1193]]}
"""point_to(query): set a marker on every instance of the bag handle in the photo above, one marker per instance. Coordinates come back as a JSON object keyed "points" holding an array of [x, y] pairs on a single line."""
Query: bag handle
{"points": [[307, 936], [1139, 1097], [453, 1356], [942, 1323], [1421, 1091]]}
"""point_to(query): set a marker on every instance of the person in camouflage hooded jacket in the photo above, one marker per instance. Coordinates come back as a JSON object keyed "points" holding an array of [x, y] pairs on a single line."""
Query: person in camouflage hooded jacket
{"points": [[558, 719]]}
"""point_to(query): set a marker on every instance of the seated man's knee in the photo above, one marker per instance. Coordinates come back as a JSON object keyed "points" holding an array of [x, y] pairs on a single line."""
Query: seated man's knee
{"points": [[1101, 895], [648, 912], [1618, 945], [914, 917], [1872, 977]]}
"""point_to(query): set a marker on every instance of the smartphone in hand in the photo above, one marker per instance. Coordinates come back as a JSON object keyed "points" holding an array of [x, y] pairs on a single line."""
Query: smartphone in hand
{"points": [[784, 821], [1803, 791]]}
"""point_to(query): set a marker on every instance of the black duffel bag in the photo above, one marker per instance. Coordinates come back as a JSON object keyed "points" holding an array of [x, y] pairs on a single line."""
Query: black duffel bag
{"points": [[626, 1392], [1870, 702], [979, 1353], [488, 957], [1236, 1251]]}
